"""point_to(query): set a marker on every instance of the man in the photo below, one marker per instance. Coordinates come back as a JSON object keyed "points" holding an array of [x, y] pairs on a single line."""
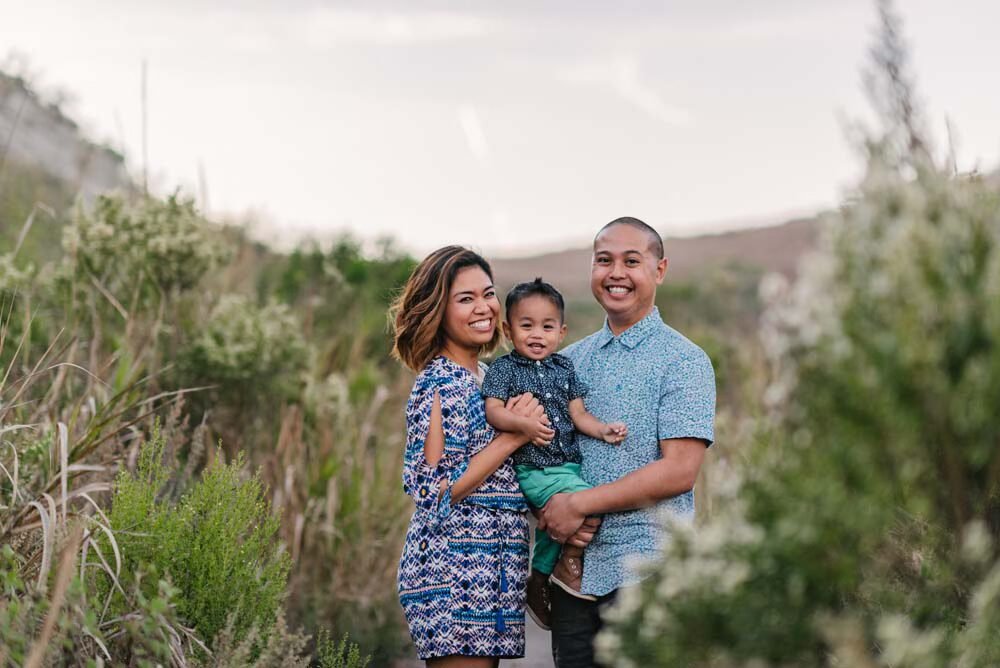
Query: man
{"points": [[646, 374]]}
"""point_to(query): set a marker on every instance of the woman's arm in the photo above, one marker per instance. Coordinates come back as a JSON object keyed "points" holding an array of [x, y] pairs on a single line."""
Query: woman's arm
{"points": [[487, 460], [484, 463], [535, 429]]}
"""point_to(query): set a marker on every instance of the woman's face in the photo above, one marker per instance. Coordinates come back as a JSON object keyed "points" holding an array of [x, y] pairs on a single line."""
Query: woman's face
{"points": [[470, 318]]}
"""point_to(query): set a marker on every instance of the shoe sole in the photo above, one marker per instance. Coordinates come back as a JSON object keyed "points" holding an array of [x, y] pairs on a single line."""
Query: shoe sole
{"points": [[536, 620], [569, 590]]}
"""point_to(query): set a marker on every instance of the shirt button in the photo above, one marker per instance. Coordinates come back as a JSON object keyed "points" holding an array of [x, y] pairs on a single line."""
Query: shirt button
{"points": [[548, 395], [538, 362], [557, 418]]}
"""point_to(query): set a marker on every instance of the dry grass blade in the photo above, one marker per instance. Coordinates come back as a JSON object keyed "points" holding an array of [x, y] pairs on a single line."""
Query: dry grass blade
{"points": [[63, 464], [87, 468], [39, 206], [98, 642], [92, 376], [110, 297], [46, 541], [63, 577], [112, 573], [25, 383], [16, 427], [15, 491], [106, 528]]}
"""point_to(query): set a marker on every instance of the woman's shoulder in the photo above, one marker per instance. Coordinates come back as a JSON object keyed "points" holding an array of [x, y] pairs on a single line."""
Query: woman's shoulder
{"points": [[441, 373]]}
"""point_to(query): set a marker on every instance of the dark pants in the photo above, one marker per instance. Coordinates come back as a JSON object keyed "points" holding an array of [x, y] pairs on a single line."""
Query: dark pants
{"points": [[575, 623]]}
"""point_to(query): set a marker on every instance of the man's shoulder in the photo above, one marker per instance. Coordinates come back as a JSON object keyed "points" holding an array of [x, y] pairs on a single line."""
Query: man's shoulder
{"points": [[679, 346], [577, 349], [684, 360]]}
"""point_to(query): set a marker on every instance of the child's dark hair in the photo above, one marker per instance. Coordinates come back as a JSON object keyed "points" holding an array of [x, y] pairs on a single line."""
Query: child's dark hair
{"points": [[532, 288]]}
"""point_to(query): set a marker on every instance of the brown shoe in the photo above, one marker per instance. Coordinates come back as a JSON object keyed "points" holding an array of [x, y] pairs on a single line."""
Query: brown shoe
{"points": [[568, 573], [539, 606]]}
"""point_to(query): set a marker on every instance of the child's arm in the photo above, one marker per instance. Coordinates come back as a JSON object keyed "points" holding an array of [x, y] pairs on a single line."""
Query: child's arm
{"points": [[585, 423], [502, 419]]}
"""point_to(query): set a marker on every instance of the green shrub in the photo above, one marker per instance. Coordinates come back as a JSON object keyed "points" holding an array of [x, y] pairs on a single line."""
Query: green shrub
{"points": [[217, 544], [248, 352], [339, 655], [866, 531], [151, 243]]}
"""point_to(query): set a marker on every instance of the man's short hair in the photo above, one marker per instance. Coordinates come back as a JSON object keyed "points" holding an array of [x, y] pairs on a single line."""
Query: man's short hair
{"points": [[655, 240], [530, 289]]}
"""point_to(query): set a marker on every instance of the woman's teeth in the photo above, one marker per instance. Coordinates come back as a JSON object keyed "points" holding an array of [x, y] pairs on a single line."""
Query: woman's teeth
{"points": [[482, 325]]}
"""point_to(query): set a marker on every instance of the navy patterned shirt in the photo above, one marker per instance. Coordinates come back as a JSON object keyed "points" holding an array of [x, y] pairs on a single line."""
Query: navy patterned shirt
{"points": [[554, 383]]}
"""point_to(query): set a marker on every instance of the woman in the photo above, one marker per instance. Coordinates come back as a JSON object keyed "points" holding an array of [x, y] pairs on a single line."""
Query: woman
{"points": [[465, 561]]}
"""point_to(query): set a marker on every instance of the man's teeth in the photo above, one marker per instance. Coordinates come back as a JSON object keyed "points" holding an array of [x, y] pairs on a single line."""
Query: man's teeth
{"points": [[618, 290], [481, 324]]}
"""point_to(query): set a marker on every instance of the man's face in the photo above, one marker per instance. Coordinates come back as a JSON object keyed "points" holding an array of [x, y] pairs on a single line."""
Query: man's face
{"points": [[625, 273]]}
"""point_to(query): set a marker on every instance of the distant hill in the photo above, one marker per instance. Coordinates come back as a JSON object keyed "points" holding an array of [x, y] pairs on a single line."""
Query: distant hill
{"points": [[771, 249], [38, 135]]}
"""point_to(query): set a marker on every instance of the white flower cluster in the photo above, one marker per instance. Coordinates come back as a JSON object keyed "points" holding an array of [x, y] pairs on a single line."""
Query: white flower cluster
{"points": [[248, 349], [11, 277], [124, 244], [897, 318]]}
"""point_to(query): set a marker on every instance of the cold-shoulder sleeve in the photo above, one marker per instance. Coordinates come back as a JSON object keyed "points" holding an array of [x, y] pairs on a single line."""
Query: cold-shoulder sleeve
{"points": [[422, 481]]}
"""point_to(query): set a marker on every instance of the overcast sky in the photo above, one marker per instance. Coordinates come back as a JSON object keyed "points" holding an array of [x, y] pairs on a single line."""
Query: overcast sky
{"points": [[515, 125]]}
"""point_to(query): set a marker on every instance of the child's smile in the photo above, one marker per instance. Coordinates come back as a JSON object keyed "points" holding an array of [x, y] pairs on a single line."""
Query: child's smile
{"points": [[535, 327]]}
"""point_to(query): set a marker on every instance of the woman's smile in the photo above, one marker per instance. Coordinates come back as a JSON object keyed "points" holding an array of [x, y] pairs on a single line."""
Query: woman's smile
{"points": [[482, 325]]}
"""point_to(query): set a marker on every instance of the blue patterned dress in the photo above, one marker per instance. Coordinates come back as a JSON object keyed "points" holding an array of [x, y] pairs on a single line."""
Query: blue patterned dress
{"points": [[464, 569]]}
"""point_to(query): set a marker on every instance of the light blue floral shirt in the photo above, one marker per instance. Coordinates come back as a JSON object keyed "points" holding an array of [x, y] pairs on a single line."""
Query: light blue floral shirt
{"points": [[662, 386]]}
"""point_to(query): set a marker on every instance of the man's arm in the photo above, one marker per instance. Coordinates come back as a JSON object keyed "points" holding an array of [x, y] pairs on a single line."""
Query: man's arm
{"points": [[673, 474]]}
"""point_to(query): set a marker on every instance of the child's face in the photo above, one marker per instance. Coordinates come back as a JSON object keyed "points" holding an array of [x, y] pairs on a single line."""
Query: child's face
{"points": [[535, 327]]}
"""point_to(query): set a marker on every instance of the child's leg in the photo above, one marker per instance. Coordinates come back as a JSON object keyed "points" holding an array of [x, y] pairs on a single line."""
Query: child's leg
{"points": [[538, 486], [545, 553]]}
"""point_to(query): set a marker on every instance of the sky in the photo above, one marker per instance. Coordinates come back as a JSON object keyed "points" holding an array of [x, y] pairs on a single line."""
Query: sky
{"points": [[513, 127]]}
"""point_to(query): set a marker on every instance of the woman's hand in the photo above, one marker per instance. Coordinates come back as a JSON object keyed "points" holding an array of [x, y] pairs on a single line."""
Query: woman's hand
{"points": [[538, 432], [526, 406]]}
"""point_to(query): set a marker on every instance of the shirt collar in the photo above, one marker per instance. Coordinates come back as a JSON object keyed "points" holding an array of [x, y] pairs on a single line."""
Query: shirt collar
{"points": [[549, 361], [635, 334]]}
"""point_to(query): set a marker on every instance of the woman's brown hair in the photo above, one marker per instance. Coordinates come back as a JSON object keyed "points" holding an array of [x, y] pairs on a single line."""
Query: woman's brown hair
{"points": [[417, 315]]}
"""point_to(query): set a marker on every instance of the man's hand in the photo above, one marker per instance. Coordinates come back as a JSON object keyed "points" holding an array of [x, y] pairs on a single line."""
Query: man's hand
{"points": [[585, 533], [561, 517]]}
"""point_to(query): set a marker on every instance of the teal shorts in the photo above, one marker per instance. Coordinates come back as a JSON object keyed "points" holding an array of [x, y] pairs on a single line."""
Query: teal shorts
{"points": [[538, 486]]}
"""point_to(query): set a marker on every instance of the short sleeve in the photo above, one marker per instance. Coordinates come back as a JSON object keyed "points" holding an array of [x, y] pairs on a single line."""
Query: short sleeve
{"points": [[687, 400], [497, 382], [422, 481], [576, 389]]}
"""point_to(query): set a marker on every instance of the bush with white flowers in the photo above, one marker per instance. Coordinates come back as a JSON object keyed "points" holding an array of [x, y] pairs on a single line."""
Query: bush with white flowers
{"points": [[866, 528], [248, 351], [146, 245]]}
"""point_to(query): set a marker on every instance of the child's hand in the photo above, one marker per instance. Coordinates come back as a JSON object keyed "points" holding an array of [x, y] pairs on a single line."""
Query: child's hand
{"points": [[614, 432], [538, 431]]}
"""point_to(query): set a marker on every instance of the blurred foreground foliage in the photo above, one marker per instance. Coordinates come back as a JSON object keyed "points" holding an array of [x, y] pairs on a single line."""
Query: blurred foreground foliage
{"points": [[865, 526]]}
